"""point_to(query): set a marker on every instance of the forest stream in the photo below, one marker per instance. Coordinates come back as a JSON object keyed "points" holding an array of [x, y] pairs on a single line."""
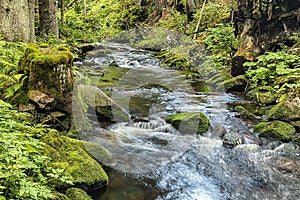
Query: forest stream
{"points": [[152, 160]]}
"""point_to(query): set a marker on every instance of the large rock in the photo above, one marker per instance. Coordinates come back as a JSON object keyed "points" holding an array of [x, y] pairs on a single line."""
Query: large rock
{"points": [[189, 122], [288, 109], [71, 155], [276, 130], [263, 95], [77, 194], [106, 109]]}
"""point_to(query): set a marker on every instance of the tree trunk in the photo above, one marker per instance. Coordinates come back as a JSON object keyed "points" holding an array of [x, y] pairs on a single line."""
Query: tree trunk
{"points": [[48, 18], [17, 20], [62, 12], [260, 26], [84, 9]]}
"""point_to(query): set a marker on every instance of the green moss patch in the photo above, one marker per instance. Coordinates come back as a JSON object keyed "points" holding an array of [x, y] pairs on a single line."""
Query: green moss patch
{"points": [[77, 194], [244, 113], [263, 95], [111, 76], [69, 154], [288, 109], [276, 130], [237, 83], [189, 122]]}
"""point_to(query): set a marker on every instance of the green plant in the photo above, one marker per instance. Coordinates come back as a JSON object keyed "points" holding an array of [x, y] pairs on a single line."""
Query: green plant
{"points": [[220, 42], [272, 65], [24, 171], [213, 14]]}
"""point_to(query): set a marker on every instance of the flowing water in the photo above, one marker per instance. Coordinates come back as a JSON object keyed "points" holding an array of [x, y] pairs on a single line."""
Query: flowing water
{"points": [[152, 160]]}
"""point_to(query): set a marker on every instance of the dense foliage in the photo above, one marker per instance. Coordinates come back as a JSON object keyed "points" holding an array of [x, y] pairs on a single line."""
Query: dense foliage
{"points": [[279, 69], [10, 80], [24, 171], [104, 18]]}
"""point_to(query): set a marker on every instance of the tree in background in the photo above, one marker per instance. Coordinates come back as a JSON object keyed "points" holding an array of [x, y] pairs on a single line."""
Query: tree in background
{"points": [[17, 20], [48, 18]]}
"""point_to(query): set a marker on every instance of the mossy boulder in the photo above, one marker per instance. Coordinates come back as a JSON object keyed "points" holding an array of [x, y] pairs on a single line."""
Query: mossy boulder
{"points": [[237, 83], [244, 113], [106, 109], [59, 196], [275, 129], [297, 140], [263, 95], [189, 122], [77, 194], [70, 155], [288, 109], [296, 124]]}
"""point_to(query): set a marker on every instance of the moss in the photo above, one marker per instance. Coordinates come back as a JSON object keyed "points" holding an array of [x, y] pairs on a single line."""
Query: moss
{"points": [[111, 76], [189, 122], [296, 124], [52, 60], [275, 129], [288, 109], [59, 196], [263, 95], [77, 194], [244, 113], [237, 83], [69, 154], [97, 151], [175, 61]]}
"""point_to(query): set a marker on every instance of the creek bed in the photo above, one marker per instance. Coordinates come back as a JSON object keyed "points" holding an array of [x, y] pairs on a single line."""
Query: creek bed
{"points": [[154, 161]]}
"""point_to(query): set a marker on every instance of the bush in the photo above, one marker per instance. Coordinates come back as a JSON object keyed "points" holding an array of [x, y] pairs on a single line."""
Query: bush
{"points": [[24, 171], [275, 68], [220, 42]]}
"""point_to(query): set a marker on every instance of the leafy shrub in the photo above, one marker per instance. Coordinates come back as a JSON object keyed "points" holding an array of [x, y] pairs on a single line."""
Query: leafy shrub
{"points": [[220, 42], [272, 65], [214, 13], [24, 171], [104, 18], [174, 20]]}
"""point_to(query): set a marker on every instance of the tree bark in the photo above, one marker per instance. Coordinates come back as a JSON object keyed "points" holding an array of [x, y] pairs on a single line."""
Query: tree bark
{"points": [[62, 12], [17, 20], [84, 9], [48, 18]]}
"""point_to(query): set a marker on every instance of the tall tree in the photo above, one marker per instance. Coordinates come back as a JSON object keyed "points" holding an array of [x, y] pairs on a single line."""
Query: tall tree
{"points": [[48, 18], [17, 19]]}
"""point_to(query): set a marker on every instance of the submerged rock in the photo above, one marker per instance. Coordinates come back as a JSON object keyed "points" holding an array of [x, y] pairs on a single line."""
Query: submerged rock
{"points": [[275, 129], [231, 139], [105, 107], [70, 155], [189, 122]]}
